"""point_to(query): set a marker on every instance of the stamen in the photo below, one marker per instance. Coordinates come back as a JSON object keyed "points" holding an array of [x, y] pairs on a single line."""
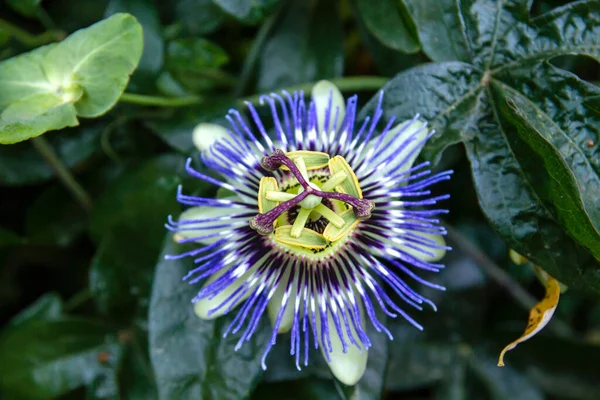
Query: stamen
{"points": [[300, 222], [333, 181], [279, 196], [330, 215]]}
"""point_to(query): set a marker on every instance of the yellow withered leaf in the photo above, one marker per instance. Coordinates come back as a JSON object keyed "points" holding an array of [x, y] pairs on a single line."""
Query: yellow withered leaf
{"points": [[539, 316]]}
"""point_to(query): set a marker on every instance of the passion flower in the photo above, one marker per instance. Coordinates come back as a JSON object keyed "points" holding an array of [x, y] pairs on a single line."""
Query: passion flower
{"points": [[313, 220]]}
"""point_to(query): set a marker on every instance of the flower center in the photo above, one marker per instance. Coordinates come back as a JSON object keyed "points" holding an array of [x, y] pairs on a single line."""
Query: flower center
{"points": [[335, 197]]}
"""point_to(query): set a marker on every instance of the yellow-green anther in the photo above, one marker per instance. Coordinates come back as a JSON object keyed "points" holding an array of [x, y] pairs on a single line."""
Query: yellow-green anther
{"points": [[330, 215], [333, 233], [308, 238], [300, 222], [266, 185], [312, 159], [333, 181], [349, 186], [299, 161], [279, 196]]}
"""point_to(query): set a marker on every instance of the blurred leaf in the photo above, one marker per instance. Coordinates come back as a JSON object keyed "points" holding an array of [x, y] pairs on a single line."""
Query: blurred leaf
{"points": [[195, 54], [55, 218], [9, 238], [300, 389], [190, 357], [47, 308], [147, 15], [27, 8], [249, 12], [136, 377], [304, 46], [199, 17], [177, 130], [45, 359], [503, 383], [196, 63], [388, 21], [505, 48], [84, 75], [21, 164], [128, 222]]}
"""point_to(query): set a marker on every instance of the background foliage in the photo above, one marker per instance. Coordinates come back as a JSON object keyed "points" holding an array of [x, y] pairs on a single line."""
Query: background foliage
{"points": [[88, 312]]}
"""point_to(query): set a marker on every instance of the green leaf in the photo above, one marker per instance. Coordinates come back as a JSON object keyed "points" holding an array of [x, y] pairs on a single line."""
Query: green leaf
{"points": [[571, 191], [128, 223], [84, 75], [190, 357], [45, 359], [147, 15], [46, 308], [304, 46], [27, 8], [249, 12], [388, 21], [195, 54], [199, 17]]}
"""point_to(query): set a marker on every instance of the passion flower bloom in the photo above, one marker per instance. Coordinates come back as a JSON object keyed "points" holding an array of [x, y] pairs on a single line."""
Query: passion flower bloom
{"points": [[312, 221]]}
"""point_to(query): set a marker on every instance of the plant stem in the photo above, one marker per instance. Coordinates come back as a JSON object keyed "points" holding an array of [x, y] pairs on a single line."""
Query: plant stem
{"points": [[29, 39], [520, 295], [145, 100], [62, 172], [348, 84]]}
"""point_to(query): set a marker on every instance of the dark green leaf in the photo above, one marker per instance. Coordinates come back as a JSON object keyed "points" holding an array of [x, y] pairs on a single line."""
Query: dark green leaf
{"points": [[9, 238], [55, 218], [306, 45], [249, 12], [444, 94], [128, 222], [45, 359], [191, 359], [198, 16], [299, 389], [571, 191], [27, 8], [441, 29], [195, 54], [388, 21], [502, 383], [47, 308], [21, 164], [145, 12]]}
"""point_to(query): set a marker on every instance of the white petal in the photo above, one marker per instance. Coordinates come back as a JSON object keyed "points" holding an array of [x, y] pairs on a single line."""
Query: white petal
{"points": [[202, 213], [205, 134], [274, 305], [320, 95], [347, 367]]}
